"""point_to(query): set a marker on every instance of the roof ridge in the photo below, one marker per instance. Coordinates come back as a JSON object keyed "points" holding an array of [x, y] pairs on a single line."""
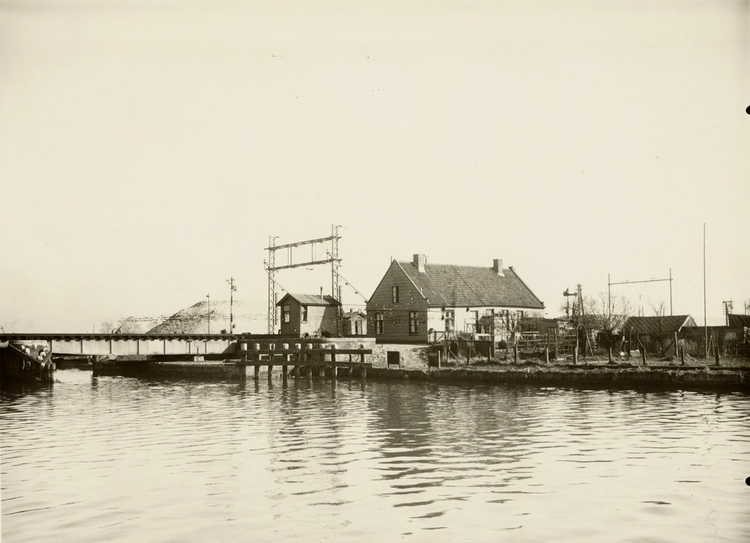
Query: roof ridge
{"points": [[451, 265]]}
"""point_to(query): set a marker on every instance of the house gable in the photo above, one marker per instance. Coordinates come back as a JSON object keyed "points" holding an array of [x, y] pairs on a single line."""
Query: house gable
{"points": [[396, 315]]}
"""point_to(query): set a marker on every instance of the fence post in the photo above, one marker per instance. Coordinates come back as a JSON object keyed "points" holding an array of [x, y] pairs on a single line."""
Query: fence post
{"points": [[682, 355], [718, 346]]}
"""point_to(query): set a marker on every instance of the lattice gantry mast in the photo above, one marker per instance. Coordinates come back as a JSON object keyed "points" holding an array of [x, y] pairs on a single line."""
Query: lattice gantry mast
{"points": [[271, 269], [332, 257]]}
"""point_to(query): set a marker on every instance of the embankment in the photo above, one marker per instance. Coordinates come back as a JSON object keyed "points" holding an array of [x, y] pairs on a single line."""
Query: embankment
{"points": [[687, 377]]}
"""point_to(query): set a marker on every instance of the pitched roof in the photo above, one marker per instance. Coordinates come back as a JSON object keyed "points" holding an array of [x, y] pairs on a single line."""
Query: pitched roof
{"points": [[446, 285], [655, 325], [310, 299], [739, 321]]}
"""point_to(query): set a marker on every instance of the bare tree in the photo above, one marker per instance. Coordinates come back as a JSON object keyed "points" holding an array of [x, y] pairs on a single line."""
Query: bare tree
{"points": [[659, 309], [601, 321], [125, 326], [106, 327]]}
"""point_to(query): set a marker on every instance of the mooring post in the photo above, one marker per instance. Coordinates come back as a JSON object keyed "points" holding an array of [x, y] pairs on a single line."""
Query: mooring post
{"points": [[363, 372], [333, 361]]}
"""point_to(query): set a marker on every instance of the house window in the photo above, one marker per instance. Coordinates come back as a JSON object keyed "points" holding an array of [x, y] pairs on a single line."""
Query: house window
{"points": [[286, 313], [450, 320], [489, 312], [394, 294], [378, 324], [304, 313], [519, 314], [413, 322]]}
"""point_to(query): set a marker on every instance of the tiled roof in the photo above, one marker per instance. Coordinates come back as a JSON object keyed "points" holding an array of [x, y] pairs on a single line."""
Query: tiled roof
{"points": [[739, 321], [310, 299], [655, 325], [446, 285]]}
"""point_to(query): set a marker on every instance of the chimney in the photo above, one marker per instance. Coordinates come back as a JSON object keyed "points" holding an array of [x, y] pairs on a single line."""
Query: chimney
{"points": [[497, 265], [419, 262], [321, 293]]}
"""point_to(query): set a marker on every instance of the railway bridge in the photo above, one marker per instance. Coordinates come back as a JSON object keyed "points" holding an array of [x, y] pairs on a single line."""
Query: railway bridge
{"points": [[124, 344]]}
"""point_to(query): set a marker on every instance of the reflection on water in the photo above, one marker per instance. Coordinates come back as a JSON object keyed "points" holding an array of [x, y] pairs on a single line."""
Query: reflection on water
{"points": [[122, 459]]}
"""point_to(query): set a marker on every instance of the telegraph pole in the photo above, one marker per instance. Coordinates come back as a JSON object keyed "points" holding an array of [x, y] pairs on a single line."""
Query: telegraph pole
{"points": [[232, 289], [705, 322], [728, 308]]}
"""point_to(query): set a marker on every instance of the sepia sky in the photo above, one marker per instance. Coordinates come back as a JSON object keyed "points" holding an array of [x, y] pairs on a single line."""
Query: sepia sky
{"points": [[148, 148]]}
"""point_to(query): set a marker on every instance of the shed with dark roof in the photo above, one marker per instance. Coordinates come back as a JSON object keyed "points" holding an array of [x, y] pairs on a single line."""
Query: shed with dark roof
{"points": [[308, 314], [416, 301], [656, 333]]}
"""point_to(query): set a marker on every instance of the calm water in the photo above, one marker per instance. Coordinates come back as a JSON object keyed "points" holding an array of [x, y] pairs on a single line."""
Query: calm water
{"points": [[122, 459]]}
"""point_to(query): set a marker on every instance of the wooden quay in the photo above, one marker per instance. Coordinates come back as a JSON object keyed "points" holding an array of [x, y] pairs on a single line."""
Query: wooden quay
{"points": [[313, 358]]}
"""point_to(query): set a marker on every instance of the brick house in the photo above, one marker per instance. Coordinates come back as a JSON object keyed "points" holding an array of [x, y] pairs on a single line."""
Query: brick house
{"points": [[308, 314], [416, 302]]}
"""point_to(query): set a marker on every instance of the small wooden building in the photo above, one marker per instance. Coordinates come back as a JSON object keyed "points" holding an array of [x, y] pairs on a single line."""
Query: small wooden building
{"points": [[308, 314], [354, 323], [656, 333]]}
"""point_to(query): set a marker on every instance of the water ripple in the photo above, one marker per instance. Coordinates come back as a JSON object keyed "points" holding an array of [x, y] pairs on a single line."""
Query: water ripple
{"points": [[119, 459]]}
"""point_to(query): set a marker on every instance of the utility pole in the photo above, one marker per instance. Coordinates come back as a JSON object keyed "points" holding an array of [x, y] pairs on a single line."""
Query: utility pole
{"points": [[208, 297], [232, 289], [728, 307], [670, 293], [567, 295], [705, 322]]}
